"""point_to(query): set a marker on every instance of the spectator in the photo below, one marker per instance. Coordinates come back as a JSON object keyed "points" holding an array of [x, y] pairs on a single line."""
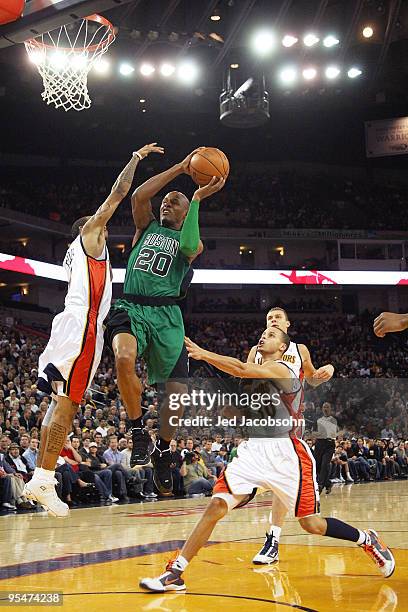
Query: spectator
{"points": [[98, 438], [113, 459], [402, 458], [209, 458], [31, 454], [216, 445], [144, 473], [327, 429], [24, 442], [361, 465], [221, 459], [189, 447], [27, 419], [4, 444], [234, 450], [71, 472], [17, 462], [176, 463], [387, 434], [197, 479], [12, 485], [100, 469]]}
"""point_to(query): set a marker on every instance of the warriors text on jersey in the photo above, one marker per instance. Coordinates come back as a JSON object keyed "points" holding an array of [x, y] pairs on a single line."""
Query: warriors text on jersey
{"points": [[74, 350], [291, 357]]}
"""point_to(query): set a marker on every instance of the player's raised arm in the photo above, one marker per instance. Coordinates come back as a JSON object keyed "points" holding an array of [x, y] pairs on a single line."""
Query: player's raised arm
{"points": [[141, 197], [190, 243], [235, 367], [314, 377], [93, 230]]}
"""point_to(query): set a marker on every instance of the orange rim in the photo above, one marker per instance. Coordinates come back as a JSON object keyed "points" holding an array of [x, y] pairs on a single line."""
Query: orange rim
{"points": [[105, 43]]}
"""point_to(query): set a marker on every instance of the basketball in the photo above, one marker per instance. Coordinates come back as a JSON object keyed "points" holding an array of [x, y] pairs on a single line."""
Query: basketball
{"points": [[206, 163]]}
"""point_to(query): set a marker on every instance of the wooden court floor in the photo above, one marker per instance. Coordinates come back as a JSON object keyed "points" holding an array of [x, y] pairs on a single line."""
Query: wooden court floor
{"points": [[97, 556]]}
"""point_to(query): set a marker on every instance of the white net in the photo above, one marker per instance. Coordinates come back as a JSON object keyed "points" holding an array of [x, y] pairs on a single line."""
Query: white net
{"points": [[64, 58]]}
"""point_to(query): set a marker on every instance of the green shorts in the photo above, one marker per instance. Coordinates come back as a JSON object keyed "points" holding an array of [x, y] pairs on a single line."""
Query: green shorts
{"points": [[159, 331]]}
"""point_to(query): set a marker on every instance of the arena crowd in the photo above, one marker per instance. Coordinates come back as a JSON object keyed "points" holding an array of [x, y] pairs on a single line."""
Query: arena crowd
{"points": [[367, 395], [272, 198]]}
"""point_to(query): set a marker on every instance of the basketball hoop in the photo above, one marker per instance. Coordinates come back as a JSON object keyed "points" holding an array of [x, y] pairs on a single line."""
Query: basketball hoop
{"points": [[65, 56]]}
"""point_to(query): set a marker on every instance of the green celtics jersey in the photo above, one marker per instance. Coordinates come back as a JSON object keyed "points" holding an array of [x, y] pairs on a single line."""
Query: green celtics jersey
{"points": [[156, 266]]}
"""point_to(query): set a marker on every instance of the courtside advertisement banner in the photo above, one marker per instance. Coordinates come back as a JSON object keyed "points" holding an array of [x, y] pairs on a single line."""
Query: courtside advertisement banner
{"points": [[228, 277], [386, 137]]}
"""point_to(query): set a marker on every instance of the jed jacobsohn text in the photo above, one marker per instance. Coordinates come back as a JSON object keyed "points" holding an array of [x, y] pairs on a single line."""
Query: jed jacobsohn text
{"points": [[203, 399], [236, 421]]}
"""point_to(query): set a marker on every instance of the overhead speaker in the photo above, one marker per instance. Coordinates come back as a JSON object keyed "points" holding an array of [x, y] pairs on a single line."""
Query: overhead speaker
{"points": [[246, 106]]}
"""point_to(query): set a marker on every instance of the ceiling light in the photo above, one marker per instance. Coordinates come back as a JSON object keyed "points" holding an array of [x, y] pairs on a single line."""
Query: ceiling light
{"points": [[332, 72], [330, 41], [37, 57], [263, 42], [310, 40], [79, 61], [309, 73], [101, 66], [354, 73], [289, 40], [368, 32], [58, 60], [288, 75], [126, 69], [187, 72], [234, 66], [147, 69], [216, 37], [215, 15], [152, 35], [167, 69]]}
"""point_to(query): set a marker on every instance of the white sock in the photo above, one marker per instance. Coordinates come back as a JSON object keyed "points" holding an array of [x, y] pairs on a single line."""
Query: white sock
{"points": [[180, 563], [276, 531], [42, 474], [362, 537]]}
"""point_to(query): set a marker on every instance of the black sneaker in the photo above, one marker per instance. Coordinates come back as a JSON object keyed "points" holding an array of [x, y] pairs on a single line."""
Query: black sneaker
{"points": [[140, 450], [162, 476], [269, 553]]}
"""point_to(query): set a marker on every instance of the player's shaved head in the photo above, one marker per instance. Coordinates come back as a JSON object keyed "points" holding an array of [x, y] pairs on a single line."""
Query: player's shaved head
{"points": [[77, 225], [173, 209], [184, 199]]}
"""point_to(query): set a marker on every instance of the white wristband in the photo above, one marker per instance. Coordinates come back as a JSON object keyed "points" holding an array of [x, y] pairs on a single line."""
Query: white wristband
{"points": [[138, 154]]}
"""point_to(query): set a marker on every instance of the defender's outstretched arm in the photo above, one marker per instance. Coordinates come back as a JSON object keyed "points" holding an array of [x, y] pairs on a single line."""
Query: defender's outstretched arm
{"points": [[93, 230]]}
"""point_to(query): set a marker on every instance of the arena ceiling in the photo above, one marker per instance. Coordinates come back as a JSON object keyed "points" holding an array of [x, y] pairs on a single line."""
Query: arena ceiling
{"points": [[321, 121]]}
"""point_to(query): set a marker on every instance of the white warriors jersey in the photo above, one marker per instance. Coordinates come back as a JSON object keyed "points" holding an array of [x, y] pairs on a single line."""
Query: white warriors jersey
{"points": [[69, 362], [286, 404], [90, 285], [291, 357]]}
